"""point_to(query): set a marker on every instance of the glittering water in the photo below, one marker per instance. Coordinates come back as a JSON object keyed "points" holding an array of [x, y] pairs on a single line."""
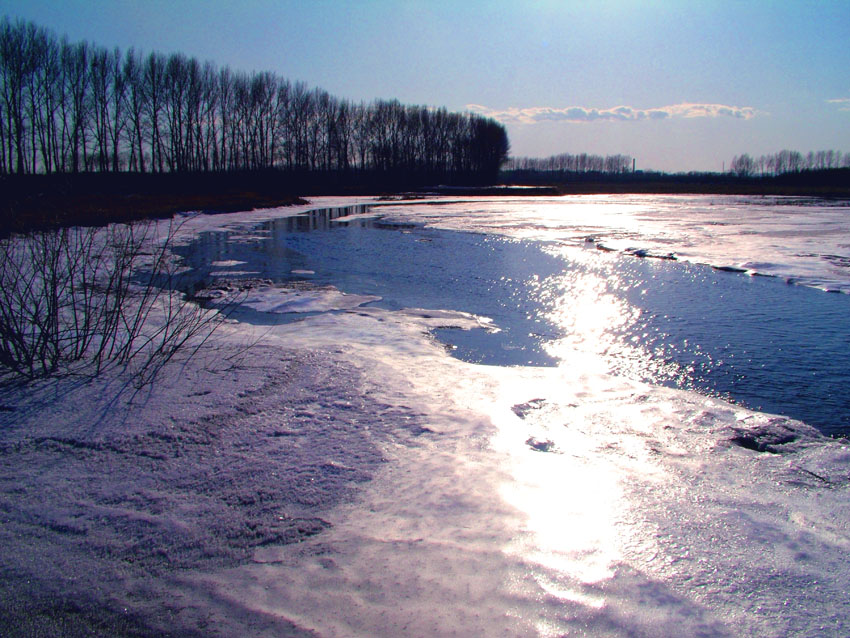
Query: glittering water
{"points": [[754, 340]]}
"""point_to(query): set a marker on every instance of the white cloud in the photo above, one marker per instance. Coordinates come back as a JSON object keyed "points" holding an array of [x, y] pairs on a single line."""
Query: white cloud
{"points": [[533, 115], [843, 103]]}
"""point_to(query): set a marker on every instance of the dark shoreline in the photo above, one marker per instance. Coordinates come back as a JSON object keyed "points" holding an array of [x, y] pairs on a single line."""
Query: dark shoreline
{"points": [[689, 188], [37, 202], [819, 183]]}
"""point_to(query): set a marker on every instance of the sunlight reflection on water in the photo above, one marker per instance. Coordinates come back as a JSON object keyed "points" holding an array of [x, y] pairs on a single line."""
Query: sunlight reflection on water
{"points": [[589, 304]]}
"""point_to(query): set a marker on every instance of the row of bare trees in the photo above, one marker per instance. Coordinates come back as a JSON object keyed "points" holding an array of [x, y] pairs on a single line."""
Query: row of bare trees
{"points": [[787, 162], [77, 107], [568, 163]]}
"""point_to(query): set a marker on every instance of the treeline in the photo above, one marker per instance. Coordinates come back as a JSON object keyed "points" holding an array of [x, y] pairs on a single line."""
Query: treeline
{"points": [[786, 161], [568, 163], [77, 107]]}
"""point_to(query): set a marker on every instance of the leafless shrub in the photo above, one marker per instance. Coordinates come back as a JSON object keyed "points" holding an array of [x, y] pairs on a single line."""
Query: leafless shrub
{"points": [[83, 299]]}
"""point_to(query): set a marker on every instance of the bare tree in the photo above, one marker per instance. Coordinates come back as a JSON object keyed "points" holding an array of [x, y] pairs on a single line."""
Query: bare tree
{"points": [[15, 66], [136, 107], [153, 83]]}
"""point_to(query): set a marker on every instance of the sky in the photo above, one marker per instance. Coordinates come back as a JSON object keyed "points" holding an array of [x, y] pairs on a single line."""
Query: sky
{"points": [[680, 85]]}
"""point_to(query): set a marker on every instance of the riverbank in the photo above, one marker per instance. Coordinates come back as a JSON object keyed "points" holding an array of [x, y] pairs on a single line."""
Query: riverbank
{"points": [[112, 498]]}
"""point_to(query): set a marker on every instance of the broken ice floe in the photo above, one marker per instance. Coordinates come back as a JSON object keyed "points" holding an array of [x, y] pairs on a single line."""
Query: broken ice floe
{"points": [[296, 297], [287, 300], [234, 273], [449, 319]]}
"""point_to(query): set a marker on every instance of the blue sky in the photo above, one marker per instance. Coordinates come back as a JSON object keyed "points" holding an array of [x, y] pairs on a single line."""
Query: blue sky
{"points": [[679, 85]]}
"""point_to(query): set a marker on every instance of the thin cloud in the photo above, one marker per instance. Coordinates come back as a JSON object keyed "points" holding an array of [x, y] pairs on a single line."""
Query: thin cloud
{"points": [[686, 110], [843, 103]]}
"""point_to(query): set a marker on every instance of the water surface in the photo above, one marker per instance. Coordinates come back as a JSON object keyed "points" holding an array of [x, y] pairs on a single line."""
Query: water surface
{"points": [[753, 340]]}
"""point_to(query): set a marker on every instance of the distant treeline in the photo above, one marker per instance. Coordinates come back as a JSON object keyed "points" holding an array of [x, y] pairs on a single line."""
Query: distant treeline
{"points": [[826, 182], [77, 107], [787, 162], [568, 163]]}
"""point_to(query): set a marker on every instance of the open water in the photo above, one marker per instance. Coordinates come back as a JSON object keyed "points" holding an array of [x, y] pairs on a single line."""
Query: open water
{"points": [[756, 341]]}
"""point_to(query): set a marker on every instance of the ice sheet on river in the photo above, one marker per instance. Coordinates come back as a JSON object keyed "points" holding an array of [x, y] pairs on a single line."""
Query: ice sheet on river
{"points": [[802, 240]]}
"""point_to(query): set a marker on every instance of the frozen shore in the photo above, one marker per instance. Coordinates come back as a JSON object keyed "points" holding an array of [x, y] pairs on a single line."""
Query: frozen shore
{"points": [[344, 476], [109, 497], [379, 487]]}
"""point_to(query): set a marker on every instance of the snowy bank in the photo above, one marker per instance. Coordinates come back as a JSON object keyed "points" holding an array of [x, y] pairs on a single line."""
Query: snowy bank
{"points": [[344, 476]]}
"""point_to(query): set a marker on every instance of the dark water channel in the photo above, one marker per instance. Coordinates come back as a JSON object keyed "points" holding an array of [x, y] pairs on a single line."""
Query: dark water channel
{"points": [[754, 340]]}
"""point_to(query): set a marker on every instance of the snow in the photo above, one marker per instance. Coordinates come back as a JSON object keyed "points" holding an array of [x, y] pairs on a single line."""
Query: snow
{"points": [[342, 475]]}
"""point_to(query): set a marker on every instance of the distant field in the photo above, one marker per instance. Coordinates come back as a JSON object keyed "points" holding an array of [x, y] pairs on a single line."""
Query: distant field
{"points": [[33, 202], [822, 183]]}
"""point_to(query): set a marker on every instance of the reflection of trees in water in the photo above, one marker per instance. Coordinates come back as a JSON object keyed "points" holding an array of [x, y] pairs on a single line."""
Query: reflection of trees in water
{"points": [[319, 219]]}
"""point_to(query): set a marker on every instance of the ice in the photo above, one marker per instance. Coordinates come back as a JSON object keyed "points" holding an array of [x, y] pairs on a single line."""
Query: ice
{"points": [[282, 300], [263, 295], [234, 273], [801, 240], [344, 476], [190, 225], [447, 319], [643, 515], [226, 263]]}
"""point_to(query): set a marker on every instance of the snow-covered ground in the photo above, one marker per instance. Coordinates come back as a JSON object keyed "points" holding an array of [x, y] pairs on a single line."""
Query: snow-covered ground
{"points": [[343, 475]]}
